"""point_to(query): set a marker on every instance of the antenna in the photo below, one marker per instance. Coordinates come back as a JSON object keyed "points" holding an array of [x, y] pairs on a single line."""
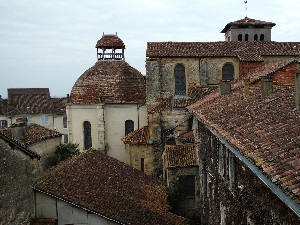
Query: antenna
{"points": [[246, 1]]}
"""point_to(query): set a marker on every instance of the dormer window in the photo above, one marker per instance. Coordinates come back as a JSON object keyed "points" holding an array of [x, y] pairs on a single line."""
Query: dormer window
{"points": [[180, 83], [228, 72]]}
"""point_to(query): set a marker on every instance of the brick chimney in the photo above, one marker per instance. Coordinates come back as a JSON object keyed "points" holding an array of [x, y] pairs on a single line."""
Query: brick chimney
{"points": [[246, 91], [224, 87], [266, 86], [18, 129], [297, 90]]}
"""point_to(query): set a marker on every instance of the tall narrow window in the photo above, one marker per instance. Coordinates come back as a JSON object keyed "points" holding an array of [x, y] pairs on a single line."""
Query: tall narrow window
{"points": [[179, 74], [240, 37], [129, 126], [262, 37], [255, 37], [246, 37], [65, 122], [142, 164], [87, 135], [228, 72]]}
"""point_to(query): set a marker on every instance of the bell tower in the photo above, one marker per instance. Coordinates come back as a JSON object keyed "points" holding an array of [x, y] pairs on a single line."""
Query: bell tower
{"points": [[110, 47], [248, 29]]}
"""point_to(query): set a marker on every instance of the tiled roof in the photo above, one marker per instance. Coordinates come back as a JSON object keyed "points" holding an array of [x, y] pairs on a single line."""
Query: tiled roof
{"points": [[164, 105], [32, 101], [180, 156], [265, 70], [109, 82], [110, 40], [108, 187], [59, 106], [7, 138], [187, 137], [265, 130], [33, 133], [195, 93], [255, 49], [247, 21], [138, 137]]}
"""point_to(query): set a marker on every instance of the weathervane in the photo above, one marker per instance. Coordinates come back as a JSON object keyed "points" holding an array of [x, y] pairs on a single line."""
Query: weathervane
{"points": [[245, 1]]}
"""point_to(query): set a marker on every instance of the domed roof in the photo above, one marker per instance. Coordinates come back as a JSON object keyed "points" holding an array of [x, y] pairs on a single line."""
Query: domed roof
{"points": [[109, 82], [110, 40]]}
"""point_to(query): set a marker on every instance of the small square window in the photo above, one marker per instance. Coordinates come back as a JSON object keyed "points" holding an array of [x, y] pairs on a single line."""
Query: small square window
{"points": [[29, 119], [44, 120], [3, 123]]}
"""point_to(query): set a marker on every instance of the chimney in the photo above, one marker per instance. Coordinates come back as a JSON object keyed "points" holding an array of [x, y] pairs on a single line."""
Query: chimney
{"points": [[266, 86], [297, 90], [246, 87], [18, 129], [224, 87]]}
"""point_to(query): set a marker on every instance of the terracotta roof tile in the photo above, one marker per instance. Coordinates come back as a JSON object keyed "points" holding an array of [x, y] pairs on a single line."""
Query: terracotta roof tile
{"points": [[265, 132], [255, 49], [31, 101], [138, 137], [180, 156], [110, 188], [5, 135], [33, 133], [195, 93], [110, 40], [266, 70], [109, 82]]}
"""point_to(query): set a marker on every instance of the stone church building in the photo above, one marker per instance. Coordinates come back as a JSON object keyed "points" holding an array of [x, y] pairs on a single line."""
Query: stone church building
{"points": [[107, 101], [180, 74]]}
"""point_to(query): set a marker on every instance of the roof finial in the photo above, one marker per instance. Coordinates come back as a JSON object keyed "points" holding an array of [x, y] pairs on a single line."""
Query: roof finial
{"points": [[246, 1]]}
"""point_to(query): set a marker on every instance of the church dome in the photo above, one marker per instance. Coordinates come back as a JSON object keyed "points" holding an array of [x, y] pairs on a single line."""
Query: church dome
{"points": [[109, 81]]}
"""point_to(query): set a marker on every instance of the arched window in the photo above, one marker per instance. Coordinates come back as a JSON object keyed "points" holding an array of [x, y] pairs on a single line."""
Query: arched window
{"points": [[129, 126], [262, 37], [255, 37], [228, 72], [246, 37], [87, 135], [240, 37], [179, 74]]}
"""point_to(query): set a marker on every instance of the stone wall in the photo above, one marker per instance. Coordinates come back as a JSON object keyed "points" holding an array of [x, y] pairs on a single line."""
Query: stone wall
{"points": [[230, 192], [17, 173]]}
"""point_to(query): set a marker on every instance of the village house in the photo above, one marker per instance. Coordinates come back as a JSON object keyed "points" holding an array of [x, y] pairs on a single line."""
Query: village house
{"points": [[94, 188], [19, 167], [248, 145], [180, 74], [39, 139], [37, 106], [107, 102]]}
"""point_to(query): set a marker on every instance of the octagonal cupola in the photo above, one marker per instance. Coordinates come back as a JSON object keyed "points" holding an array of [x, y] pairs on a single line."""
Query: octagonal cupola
{"points": [[110, 47]]}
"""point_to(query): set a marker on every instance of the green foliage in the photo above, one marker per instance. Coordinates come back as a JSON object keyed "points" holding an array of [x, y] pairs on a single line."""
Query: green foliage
{"points": [[173, 193], [65, 151]]}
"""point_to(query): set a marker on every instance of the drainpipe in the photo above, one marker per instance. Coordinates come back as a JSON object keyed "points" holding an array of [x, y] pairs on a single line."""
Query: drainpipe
{"points": [[297, 91], [277, 191]]}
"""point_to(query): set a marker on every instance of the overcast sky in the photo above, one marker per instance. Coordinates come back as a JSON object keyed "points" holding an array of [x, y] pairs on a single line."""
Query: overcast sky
{"points": [[50, 43]]}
